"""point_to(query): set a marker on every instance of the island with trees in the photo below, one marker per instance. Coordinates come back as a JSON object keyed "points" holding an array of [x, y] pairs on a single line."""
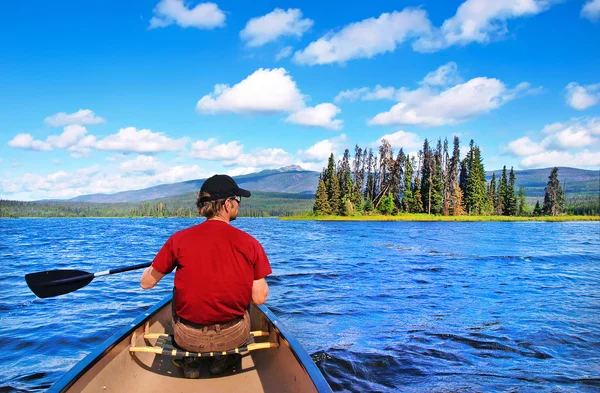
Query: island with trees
{"points": [[434, 184]]}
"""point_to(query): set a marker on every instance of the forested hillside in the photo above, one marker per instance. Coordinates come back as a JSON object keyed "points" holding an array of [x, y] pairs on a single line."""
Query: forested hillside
{"points": [[261, 204]]}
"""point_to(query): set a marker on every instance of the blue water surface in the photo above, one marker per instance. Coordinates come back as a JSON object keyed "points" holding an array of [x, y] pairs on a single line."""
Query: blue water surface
{"points": [[380, 306]]}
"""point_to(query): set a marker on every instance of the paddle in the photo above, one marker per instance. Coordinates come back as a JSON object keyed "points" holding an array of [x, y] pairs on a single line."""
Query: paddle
{"points": [[58, 282]]}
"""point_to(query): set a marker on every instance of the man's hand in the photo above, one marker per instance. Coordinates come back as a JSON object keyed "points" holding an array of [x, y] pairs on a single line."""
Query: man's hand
{"points": [[260, 290], [150, 278]]}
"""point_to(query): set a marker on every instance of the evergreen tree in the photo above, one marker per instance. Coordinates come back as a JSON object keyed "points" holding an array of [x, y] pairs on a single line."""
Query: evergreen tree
{"points": [[464, 177], [476, 198], [510, 202], [492, 196], [368, 206], [437, 185], [387, 204], [537, 210], [452, 178], [426, 176], [335, 201], [522, 206], [321, 206], [502, 191], [417, 197], [407, 194], [330, 173], [345, 175], [554, 197]]}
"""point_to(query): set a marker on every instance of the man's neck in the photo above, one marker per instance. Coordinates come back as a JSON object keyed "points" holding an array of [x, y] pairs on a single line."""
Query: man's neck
{"points": [[219, 218]]}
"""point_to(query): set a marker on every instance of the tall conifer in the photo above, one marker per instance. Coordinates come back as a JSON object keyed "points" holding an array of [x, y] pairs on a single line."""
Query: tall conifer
{"points": [[554, 197]]}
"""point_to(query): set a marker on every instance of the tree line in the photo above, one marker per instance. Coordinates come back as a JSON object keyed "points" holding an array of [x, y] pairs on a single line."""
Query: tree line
{"points": [[434, 181]]}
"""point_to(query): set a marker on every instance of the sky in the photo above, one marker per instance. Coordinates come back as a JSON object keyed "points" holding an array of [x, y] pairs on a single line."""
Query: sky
{"points": [[101, 97]]}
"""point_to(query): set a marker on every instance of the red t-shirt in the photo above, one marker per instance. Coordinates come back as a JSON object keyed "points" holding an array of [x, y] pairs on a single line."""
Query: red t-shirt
{"points": [[216, 265]]}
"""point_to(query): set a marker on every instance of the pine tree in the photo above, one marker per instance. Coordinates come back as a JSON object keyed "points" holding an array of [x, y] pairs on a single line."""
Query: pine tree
{"points": [[437, 185], [368, 206], [335, 201], [522, 206], [492, 193], [330, 173], [387, 204], [502, 189], [321, 206], [554, 197], [537, 210], [510, 202], [476, 199], [417, 197], [426, 177], [464, 177], [407, 194]]}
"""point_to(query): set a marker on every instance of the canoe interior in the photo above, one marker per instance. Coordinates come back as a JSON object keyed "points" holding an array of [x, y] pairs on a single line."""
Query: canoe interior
{"points": [[267, 370]]}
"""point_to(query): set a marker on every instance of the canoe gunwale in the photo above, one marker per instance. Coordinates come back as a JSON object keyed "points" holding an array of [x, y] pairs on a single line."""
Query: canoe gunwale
{"points": [[71, 376], [299, 352]]}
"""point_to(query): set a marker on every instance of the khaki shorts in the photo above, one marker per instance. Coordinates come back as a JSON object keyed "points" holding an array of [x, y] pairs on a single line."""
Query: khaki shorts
{"points": [[213, 338]]}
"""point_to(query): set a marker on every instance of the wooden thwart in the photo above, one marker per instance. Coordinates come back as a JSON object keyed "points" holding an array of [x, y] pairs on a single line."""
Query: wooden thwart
{"points": [[164, 346]]}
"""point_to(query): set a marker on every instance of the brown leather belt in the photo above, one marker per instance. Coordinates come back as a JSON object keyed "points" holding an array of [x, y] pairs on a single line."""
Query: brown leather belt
{"points": [[215, 327]]}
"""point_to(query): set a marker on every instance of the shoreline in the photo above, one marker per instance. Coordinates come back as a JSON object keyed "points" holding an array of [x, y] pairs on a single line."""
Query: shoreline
{"points": [[434, 218]]}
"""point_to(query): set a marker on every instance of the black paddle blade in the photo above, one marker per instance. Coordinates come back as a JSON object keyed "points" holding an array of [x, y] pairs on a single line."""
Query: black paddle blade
{"points": [[57, 282]]}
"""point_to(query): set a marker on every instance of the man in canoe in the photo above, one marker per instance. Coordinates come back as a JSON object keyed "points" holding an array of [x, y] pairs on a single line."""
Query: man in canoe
{"points": [[220, 269]]}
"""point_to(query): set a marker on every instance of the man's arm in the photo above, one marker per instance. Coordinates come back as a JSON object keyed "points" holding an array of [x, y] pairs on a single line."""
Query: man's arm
{"points": [[151, 277], [260, 290]]}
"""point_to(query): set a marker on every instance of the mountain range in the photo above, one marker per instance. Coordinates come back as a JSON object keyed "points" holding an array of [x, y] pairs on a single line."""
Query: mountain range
{"points": [[296, 180]]}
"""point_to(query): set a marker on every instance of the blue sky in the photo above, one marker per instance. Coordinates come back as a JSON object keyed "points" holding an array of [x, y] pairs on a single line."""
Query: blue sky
{"points": [[110, 96]]}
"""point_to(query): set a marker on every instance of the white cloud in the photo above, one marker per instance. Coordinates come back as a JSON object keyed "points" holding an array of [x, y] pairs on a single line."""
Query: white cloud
{"points": [[63, 184], [265, 91], [202, 16], [524, 147], [401, 139], [81, 117], [351, 94], [480, 21], [283, 53], [26, 141], [273, 157], [209, 150], [582, 97], [367, 38], [144, 164], [321, 115], [591, 10], [572, 143], [427, 106], [553, 158], [74, 138], [143, 141], [365, 94], [276, 24], [446, 75], [269, 91], [321, 150]]}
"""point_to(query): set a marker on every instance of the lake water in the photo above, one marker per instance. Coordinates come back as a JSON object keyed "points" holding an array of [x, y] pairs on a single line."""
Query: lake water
{"points": [[380, 306]]}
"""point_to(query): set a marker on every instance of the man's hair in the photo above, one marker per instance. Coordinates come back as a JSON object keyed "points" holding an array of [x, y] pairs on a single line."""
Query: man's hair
{"points": [[209, 208]]}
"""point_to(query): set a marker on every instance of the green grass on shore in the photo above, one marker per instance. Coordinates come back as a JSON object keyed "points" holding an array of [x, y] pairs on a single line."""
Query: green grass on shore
{"points": [[427, 217]]}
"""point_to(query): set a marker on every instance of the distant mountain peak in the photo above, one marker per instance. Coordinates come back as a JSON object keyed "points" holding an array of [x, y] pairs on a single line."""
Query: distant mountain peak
{"points": [[291, 168]]}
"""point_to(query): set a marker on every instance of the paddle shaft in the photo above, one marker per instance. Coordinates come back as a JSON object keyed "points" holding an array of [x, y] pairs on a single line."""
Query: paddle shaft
{"points": [[98, 274]]}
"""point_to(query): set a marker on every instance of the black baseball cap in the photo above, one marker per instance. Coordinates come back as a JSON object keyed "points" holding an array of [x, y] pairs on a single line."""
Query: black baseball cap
{"points": [[222, 186]]}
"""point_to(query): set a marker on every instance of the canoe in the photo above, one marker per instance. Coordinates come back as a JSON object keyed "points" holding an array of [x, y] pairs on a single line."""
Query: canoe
{"points": [[278, 362]]}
